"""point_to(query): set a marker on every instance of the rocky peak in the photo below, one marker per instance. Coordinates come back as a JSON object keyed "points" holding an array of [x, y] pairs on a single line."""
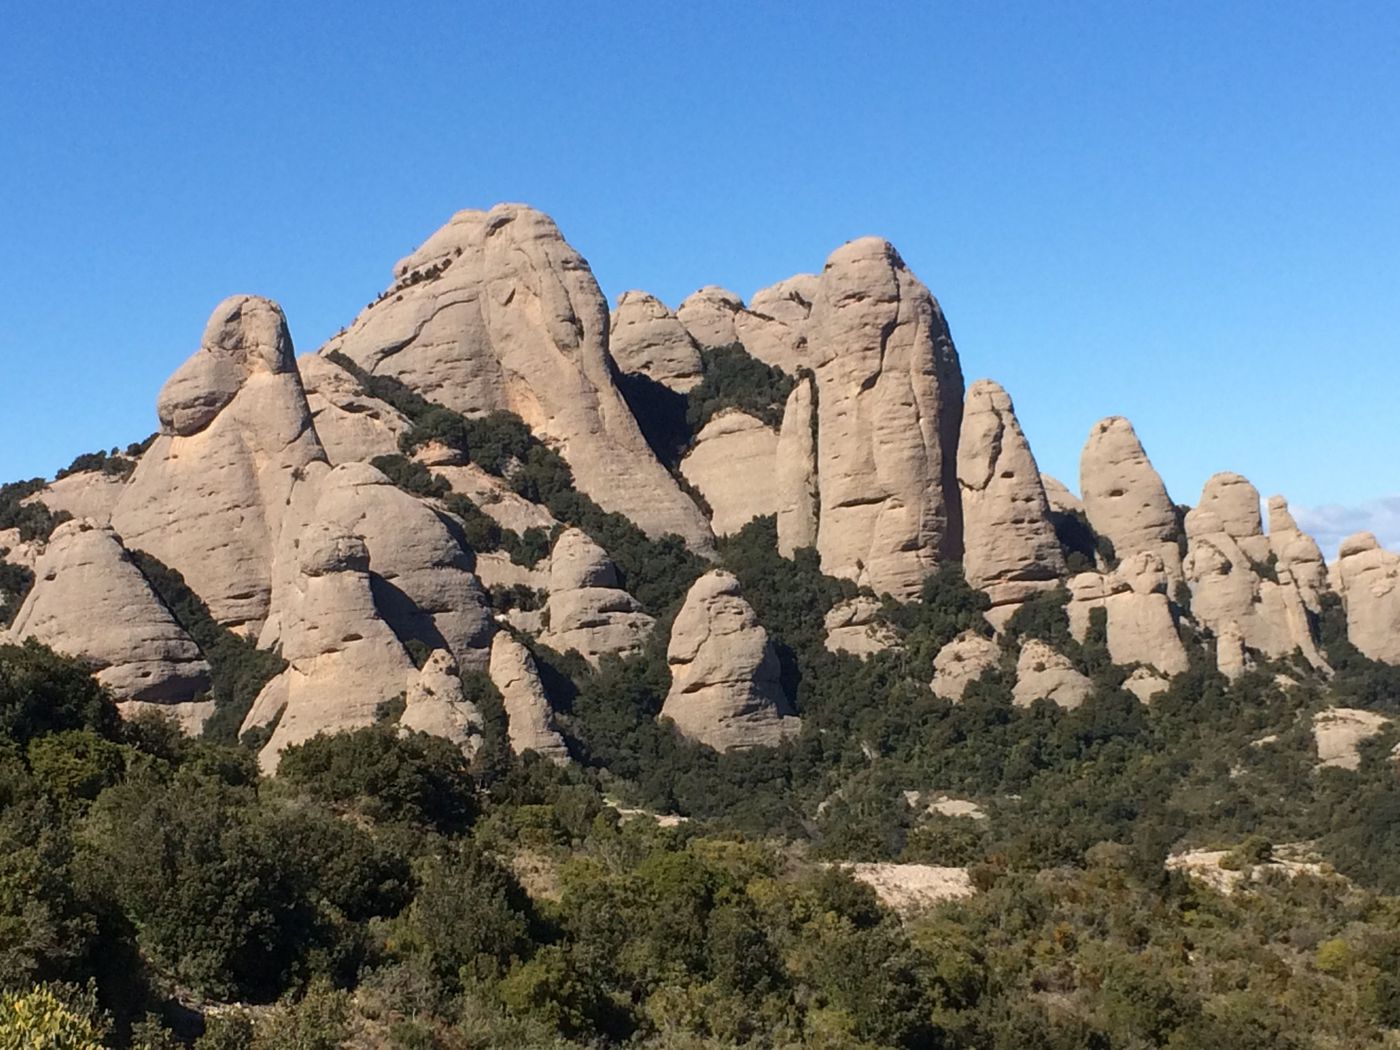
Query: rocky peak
{"points": [[1124, 497], [648, 339], [1009, 545]]}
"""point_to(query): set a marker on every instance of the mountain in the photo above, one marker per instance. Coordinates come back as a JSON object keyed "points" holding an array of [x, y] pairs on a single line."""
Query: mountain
{"points": [[729, 674]]}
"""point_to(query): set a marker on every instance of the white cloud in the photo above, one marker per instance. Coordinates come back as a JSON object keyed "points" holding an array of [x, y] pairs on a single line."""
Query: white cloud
{"points": [[1331, 524]]}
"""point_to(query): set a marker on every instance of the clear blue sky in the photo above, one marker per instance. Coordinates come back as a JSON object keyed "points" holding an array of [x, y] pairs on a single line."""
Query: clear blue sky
{"points": [[1185, 213]]}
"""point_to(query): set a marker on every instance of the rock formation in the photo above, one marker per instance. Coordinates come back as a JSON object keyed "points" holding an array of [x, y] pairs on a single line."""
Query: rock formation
{"points": [[1045, 674], [1297, 554], [647, 339], [530, 718], [210, 495], [1232, 570], [732, 464], [1141, 626], [588, 610], [1367, 577], [1060, 498], [90, 495], [889, 407], [1339, 733], [91, 602], [1124, 498], [353, 426], [856, 627], [343, 659], [419, 565], [497, 311], [708, 315], [725, 689], [774, 326], [1009, 545], [795, 472], [434, 704], [961, 662]]}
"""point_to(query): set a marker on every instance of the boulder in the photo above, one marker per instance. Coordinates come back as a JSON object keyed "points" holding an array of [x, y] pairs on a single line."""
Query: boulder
{"points": [[496, 311], [1009, 546], [961, 662], [708, 315], [210, 496], [588, 611], [732, 464], [491, 494], [1231, 657], [353, 425], [1145, 684], [647, 339], [1339, 733], [1042, 673], [725, 689], [91, 602], [795, 472], [856, 627], [1124, 499], [434, 704], [1367, 577], [528, 714], [889, 406], [343, 659]]}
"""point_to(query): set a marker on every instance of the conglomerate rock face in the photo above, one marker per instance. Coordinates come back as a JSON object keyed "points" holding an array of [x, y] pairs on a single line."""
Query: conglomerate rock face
{"points": [[90, 601], [725, 688], [528, 714], [795, 472], [1236, 575], [1140, 622], [343, 659], [889, 407], [1009, 545], [497, 311], [588, 610], [648, 339], [1124, 498], [210, 495], [1367, 577], [732, 463]]}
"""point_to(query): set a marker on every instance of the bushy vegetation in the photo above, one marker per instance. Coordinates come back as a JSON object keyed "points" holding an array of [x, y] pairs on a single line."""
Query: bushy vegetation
{"points": [[33, 520], [735, 379], [113, 463], [656, 572], [375, 894], [238, 668]]}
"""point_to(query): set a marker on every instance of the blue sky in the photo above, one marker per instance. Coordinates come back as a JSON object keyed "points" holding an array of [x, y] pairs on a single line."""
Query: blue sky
{"points": [[1185, 213]]}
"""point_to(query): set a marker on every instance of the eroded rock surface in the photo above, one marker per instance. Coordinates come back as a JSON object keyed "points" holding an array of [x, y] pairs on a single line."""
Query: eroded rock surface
{"points": [[1367, 577], [1140, 624], [1339, 733], [648, 339], [354, 426], [856, 627], [496, 311], [961, 662], [91, 602], [210, 495], [1042, 673], [795, 472], [588, 610], [889, 407], [530, 717], [343, 658], [1009, 545], [434, 704], [732, 463], [708, 315], [1124, 498], [725, 689]]}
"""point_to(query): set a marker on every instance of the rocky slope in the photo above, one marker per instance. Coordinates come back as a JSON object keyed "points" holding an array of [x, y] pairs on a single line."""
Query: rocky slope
{"points": [[304, 510]]}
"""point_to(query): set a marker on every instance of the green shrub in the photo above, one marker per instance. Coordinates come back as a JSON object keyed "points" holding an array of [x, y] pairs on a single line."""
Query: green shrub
{"points": [[735, 379]]}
